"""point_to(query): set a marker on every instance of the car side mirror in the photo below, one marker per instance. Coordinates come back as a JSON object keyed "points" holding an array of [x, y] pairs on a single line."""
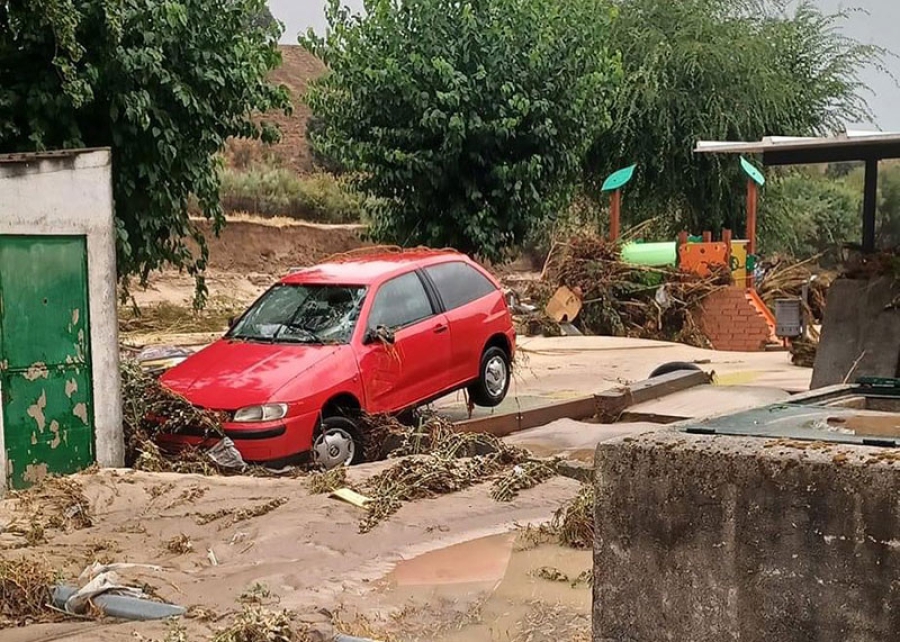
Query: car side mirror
{"points": [[381, 333]]}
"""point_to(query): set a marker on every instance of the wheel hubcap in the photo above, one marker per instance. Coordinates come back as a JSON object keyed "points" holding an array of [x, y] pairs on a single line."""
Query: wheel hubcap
{"points": [[334, 447], [495, 375]]}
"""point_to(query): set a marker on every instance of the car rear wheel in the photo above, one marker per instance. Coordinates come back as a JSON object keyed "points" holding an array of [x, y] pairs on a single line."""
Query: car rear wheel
{"points": [[338, 443], [493, 378]]}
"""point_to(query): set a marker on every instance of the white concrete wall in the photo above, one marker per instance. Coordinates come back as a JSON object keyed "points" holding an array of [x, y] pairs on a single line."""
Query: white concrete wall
{"points": [[70, 193]]}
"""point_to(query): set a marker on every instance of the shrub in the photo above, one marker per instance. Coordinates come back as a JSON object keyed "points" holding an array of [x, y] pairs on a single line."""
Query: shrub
{"points": [[272, 191]]}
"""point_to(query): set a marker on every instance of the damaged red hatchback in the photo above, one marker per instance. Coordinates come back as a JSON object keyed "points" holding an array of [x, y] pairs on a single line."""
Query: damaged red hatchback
{"points": [[381, 333]]}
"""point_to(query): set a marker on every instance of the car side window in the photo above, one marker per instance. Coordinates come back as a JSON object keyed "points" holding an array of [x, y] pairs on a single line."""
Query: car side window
{"points": [[458, 283], [400, 302]]}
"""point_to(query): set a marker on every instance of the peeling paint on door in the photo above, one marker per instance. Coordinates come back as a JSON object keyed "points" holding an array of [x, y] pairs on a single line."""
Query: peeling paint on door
{"points": [[54, 428], [37, 371], [36, 411], [80, 411], [71, 388], [35, 473]]}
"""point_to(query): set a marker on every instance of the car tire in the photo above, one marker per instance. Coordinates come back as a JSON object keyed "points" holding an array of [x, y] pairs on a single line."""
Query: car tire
{"points": [[338, 442], [494, 375], [673, 366]]}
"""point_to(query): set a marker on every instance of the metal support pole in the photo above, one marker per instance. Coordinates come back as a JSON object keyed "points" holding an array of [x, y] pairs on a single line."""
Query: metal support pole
{"points": [[870, 204], [614, 215]]}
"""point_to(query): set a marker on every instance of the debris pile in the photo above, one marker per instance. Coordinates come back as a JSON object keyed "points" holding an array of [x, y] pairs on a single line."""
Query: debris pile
{"points": [[572, 525], [871, 266], [25, 586], [259, 624], [326, 481], [56, 503], [149, 409], [621, 299], [574, 522], [436, 460], [786, 278]]}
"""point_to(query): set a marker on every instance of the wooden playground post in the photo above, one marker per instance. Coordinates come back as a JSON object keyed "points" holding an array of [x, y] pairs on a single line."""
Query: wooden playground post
{"points": [[615, 215], [752, 195]]}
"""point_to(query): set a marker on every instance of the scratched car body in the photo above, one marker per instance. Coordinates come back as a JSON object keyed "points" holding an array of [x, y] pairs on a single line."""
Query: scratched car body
{"points": [[380, 333]]}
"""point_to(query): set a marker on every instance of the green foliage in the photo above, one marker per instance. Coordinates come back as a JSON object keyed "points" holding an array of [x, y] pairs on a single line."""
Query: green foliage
{"points": [[467, 120], [162, 82], [720, 70], [805, 212], [273, 191], [887, 229]]}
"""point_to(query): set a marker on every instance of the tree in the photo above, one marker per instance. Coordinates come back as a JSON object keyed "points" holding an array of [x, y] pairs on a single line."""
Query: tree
{"points": [[162, 82], [465, 120], [720, 70], [807, 213]]}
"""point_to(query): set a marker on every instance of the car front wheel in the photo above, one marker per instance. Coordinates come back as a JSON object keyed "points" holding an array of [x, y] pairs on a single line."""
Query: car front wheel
{"points": [[493, 378], [337, 443]]}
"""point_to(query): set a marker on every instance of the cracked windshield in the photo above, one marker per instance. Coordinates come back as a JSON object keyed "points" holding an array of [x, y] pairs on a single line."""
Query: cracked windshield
{"points": [[302, 314], [449, 320]]}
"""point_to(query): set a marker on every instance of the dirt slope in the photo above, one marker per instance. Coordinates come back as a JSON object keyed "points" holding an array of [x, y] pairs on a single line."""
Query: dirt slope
{"points": [[298, 68]]}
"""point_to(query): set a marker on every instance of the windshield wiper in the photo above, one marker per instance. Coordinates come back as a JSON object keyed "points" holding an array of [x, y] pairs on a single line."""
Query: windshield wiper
{"points": [[310, 334]]}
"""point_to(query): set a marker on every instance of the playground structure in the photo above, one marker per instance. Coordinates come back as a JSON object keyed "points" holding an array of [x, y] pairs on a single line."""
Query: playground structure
{"points": [[734, 318]]}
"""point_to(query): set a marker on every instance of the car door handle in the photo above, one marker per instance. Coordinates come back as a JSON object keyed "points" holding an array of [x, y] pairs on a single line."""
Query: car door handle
{"points": [[438, 329]]}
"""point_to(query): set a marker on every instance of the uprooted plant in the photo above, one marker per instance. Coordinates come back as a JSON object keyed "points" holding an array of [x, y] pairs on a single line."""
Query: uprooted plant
{"points": [[148, 409], [256, 623], [454, 461], [55, 503], [25, 586]]}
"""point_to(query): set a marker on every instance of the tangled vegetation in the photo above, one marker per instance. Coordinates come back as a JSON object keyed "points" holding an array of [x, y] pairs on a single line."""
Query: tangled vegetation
{"points": [[25, 585], [621, 299]]}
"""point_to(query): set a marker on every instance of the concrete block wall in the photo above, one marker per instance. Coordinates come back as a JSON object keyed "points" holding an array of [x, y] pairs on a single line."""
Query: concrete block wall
{"points": [[729, 318], [720, 539]]}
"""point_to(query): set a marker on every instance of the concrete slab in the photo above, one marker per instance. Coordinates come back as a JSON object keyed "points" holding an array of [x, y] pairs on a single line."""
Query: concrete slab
{"points": [[551, 369], [704, 401], [859, 336], [708, 538]]}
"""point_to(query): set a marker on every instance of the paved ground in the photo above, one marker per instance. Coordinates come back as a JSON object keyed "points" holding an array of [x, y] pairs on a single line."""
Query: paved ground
{"points": [[557, 368]]}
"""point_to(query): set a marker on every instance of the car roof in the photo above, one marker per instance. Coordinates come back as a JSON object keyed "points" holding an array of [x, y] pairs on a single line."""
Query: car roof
{"points": [[370, 268]]}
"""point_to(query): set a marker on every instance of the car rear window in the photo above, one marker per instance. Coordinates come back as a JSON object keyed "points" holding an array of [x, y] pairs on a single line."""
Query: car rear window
{"points": [[458, 283]]}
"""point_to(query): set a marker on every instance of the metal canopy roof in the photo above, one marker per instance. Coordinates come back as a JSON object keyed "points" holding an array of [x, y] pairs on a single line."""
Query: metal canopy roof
{"points": [[867, 146], [788, 150]]}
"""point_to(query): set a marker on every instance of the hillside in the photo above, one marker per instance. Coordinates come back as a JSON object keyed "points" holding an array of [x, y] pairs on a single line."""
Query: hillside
{"points": [[298, 68]]}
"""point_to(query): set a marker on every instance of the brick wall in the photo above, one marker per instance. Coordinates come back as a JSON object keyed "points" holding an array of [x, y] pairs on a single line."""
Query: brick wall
{"points": [[731, 321]]}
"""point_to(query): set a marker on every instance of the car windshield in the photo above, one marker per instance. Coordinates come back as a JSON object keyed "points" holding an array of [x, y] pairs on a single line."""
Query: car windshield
{"points": [[302, 314]]}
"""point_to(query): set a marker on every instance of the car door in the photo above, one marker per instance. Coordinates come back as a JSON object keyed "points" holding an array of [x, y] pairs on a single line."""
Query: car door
{"points": [[414, 367], [474, 307]]}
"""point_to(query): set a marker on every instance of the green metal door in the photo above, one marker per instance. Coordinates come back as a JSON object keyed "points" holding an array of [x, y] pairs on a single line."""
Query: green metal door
{"points": [[45, 367]]}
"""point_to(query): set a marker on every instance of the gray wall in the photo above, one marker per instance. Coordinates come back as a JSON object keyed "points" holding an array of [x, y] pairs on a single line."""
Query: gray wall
{"points": [[713, 539], [71, 194]]}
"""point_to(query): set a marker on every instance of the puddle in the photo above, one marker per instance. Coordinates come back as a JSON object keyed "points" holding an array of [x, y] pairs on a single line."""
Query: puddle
{"points": [[482, 560], [487, 590]]}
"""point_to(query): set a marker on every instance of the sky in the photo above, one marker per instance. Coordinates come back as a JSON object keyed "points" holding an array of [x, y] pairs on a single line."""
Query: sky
{"points": [[879, 25]]}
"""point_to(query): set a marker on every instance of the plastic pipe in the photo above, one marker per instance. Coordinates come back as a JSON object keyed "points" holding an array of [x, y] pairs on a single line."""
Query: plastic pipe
{"points": [[122, 607]]}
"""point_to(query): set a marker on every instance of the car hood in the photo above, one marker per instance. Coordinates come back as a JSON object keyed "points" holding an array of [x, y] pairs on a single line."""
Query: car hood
{"points": [[228, 375]]}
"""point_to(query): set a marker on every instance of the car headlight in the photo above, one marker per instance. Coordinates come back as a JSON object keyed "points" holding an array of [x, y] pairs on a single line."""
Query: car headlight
{"points": [[266, 412]]}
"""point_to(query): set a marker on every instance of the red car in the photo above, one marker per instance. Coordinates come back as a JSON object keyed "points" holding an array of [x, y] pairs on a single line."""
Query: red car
{"points": [[382, 333]]}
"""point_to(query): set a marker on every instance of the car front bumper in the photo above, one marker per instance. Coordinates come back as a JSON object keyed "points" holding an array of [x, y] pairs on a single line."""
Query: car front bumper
{"points": [[257, 442]]}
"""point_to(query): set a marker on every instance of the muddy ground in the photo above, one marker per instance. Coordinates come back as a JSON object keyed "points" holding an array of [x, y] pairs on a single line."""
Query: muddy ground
{"points": [[438, 569], [454, 568]]}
